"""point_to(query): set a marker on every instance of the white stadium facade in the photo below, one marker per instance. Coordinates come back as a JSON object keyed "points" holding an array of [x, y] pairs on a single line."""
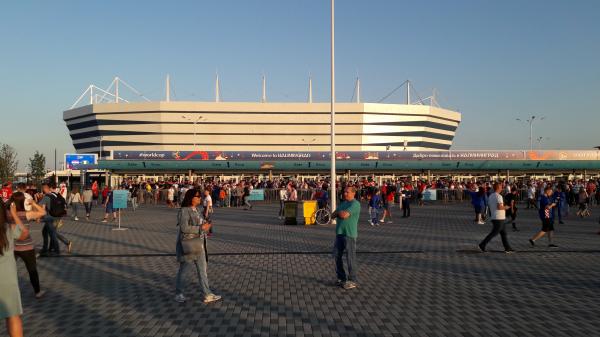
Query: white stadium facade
{"points": [[117, 125]]}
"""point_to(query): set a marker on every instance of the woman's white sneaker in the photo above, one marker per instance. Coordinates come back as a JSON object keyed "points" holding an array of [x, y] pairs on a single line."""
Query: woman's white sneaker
{"points": [[180, 298], [211, 298]]}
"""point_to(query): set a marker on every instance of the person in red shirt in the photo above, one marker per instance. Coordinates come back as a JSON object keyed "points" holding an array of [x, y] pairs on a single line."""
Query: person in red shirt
{"points": [[95, 192], [422, 186], [387, 194], [6, 191], [105, 193]]}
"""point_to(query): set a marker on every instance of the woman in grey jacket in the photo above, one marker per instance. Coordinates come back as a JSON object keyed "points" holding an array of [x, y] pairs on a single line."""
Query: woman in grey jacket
{"points": [[191, 225]]}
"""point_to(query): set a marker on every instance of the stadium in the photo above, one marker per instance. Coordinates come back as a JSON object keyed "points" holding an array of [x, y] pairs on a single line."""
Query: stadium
{"points": [[178, 137], [120, 125]]}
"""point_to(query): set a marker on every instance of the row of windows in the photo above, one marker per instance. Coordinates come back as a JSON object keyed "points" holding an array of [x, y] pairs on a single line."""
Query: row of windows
{"points": [[99, 122], [98, 133]]}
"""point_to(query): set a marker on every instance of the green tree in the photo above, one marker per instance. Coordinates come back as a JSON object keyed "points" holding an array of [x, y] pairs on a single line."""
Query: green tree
{"points": [[8, 162], [37, 167]]}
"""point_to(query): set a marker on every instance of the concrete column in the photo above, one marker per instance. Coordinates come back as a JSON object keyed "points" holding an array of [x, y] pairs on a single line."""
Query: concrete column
{"points": [[107, 178]]}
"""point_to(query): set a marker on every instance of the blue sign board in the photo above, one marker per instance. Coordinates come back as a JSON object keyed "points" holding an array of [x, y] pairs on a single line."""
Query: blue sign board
{"points": [[120, 198], [74, 159], [257, 195]]}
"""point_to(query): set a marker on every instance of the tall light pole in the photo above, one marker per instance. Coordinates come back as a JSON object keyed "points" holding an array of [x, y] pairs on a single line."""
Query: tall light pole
{"points": [[195, 122], [308, 142], [333, 175], [530, 120]]}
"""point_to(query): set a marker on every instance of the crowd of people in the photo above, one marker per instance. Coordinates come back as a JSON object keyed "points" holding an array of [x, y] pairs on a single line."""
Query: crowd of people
{"points": [[498, 201]]}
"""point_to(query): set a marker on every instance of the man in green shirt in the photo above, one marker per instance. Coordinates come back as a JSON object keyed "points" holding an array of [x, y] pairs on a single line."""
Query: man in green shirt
{"points": [[346, 232]]}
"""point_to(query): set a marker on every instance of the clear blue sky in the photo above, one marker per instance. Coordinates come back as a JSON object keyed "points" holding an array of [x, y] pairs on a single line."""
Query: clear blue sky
{"points": [[492, 60]]}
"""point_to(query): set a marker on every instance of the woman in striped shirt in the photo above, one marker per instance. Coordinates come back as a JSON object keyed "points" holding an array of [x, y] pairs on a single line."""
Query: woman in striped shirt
{"points": [[24, 248]]}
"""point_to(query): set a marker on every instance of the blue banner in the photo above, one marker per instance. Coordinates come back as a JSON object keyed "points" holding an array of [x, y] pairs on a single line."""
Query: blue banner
{"points": [[257, 195]]}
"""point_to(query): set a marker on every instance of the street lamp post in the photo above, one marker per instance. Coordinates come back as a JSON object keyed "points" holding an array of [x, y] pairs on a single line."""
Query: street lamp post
{"points": [[195, 122], [332, 129], [530, 121], [540, 140], [308, 142]]}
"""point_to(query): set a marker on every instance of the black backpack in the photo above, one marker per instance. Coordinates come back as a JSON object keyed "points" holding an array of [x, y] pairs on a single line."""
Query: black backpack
{"points": [[58, 205]]}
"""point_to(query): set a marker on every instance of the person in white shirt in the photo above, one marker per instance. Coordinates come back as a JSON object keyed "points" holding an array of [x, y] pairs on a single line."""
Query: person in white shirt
{"points": [[498, 210], [75, 201], [171, 196], [208, 205], [63, 190], [531, 196], [283, 197], [28, 198]]}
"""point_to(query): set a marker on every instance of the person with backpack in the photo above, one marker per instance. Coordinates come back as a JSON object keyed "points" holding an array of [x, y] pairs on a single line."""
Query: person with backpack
{"points": [[56, 208]]}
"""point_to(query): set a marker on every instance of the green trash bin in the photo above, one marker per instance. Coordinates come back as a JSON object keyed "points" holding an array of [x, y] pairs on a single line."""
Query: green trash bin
{"points": [[290, 212]]}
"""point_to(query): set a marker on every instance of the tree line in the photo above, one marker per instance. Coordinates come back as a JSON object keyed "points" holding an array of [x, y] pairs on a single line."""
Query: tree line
{"points": [[9, 164]]}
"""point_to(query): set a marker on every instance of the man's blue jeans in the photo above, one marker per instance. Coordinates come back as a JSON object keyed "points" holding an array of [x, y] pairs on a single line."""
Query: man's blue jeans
{"points": [[49, 232], [348, 245], [375, 215]]}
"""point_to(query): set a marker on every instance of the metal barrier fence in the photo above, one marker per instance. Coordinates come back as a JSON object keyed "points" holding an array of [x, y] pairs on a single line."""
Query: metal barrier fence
{"points": [[272, 196]]}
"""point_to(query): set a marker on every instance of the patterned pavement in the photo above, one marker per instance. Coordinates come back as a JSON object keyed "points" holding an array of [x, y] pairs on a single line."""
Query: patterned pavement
{"points": [[417, 277]]}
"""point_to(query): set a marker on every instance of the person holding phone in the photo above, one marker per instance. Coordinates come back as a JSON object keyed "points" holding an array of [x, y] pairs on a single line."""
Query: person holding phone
{"points": [[191, 226]]}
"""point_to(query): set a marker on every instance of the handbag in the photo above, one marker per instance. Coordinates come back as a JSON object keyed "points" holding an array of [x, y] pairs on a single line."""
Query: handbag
{"points": [[193, 244]]}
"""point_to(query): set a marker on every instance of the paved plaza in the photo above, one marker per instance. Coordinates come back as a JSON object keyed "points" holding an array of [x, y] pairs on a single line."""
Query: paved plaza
{"points": [[418, 277]]}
